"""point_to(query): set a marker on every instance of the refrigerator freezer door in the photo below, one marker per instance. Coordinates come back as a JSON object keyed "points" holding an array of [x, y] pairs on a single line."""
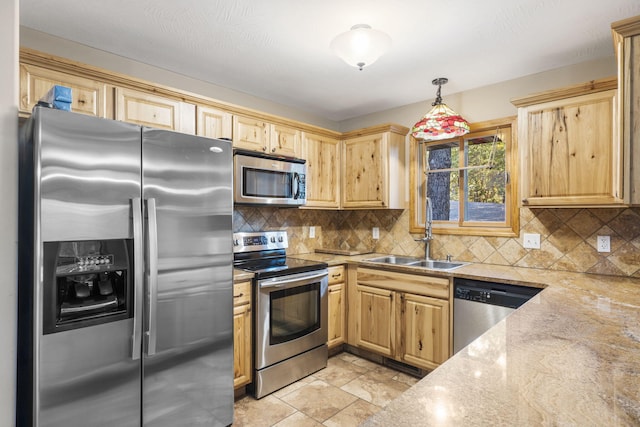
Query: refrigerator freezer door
{"points": [[87, 171], [188, 369]]}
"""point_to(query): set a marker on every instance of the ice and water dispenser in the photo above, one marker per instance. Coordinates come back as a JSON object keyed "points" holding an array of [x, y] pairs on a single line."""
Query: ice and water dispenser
{"points": [[86, 283]]}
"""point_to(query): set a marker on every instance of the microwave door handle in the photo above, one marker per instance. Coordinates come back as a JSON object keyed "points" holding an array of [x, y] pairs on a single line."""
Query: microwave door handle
{"points": [[296, 185], [138, 278], [152, 275]]}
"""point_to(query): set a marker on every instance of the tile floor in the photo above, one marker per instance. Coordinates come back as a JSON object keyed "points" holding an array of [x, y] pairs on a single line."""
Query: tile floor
{"points": [[348, 391]]}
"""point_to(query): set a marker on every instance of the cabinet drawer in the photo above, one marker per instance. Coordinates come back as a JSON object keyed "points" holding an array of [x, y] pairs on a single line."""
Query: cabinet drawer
{"points": [[336, 274], [241, 293], [431, 286]]}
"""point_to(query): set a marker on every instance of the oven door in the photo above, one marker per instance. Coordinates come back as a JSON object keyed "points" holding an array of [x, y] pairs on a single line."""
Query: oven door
{"points": [[291, 316]]}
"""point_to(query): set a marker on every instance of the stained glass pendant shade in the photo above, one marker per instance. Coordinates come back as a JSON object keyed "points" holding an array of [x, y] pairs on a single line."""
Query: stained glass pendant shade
{"points": [[441, 122]]}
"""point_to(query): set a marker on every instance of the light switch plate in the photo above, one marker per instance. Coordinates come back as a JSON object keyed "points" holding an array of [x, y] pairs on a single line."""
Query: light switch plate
{"points": [[312, 232], [604, 244], [531, 241], [376, 232]]}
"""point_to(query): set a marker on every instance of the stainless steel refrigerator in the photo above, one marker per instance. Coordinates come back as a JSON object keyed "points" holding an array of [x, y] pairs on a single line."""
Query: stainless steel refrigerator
{"points": [[125, 275]]}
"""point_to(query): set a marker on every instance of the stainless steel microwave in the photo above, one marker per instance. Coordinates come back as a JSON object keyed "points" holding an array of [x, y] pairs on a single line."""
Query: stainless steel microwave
{"points": [[262, 179]]}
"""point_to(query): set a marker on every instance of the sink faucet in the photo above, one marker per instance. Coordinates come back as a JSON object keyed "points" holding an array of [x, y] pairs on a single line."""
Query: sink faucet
{"points": [[428, 229]]}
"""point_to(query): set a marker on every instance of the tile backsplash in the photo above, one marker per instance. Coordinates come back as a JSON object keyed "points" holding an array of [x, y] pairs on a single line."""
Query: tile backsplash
{"points": [[567, 236]]}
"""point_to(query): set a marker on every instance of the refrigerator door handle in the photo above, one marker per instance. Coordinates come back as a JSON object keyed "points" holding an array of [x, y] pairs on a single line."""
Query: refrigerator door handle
{"points": [[138, 280], [152, 278]]}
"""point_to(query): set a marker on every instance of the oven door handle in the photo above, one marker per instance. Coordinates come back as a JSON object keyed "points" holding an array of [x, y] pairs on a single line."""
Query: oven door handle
{"points": [[281, 283]]}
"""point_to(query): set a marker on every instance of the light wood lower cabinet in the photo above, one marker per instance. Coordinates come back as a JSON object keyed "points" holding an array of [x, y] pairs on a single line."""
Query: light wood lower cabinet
{"points": [[402, 316], [425, 330], [145, 109], [337, 307], [242, 347]]}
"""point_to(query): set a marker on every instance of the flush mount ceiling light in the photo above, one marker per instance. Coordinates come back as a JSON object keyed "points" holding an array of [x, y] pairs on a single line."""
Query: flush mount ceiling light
{"points": [[361, 46], [441, 122]]}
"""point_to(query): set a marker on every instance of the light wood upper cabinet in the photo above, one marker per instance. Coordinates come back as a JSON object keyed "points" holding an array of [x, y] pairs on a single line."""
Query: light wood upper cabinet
{"points": [[373, 168], [571, 153], [337, 306], [258, 135], [402, 316], [323, 170], [146, 109], [90, 97], [285, 141], [213, 122], [242, 344], [626, 37]]}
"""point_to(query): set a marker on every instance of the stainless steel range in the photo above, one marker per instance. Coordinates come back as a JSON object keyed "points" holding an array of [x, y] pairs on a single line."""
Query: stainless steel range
{"points": [[290, 300]]}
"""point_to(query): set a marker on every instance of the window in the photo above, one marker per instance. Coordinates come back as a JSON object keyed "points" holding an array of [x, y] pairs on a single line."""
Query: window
{"points": [[469, 181]]}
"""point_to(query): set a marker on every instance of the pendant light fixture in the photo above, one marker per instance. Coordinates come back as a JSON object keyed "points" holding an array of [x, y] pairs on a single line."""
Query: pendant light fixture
{"points": [[441, 122], [361, 46]]}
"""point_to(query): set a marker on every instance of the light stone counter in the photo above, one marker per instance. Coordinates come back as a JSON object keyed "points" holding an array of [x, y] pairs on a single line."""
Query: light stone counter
{"points": [[570, 356]]}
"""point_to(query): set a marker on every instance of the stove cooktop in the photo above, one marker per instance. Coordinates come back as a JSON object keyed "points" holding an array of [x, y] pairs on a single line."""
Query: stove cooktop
{"points": [[264, 254]]}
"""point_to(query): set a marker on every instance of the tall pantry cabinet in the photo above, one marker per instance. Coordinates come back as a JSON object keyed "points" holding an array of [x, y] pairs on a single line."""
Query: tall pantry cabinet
{"points": [[626, 38]]}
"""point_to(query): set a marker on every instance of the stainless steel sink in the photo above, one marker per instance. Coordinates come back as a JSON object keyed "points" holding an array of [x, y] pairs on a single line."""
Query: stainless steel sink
{"points": [[416, 262], [393, 259], [438, 265]]}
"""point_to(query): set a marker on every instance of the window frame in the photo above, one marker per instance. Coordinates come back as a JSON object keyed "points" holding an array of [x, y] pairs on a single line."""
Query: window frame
{"points": [[509, 228]]}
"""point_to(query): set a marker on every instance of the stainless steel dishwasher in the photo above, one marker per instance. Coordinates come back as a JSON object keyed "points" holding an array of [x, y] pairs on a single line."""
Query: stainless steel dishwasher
{"points": [[478, 305]]}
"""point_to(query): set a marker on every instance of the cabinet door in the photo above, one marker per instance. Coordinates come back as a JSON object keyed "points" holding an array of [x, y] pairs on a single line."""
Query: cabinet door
{"points": [[213, 123], [242, 347], [285, 141], [250, 134], [155, 111], [571, 153], [376, 320], [89, 96], [336, 315], [364, 172], [424, 330], [323, 171]]}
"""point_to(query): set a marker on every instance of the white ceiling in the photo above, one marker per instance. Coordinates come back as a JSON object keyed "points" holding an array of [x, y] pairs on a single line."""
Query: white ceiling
{"points": [[279, 49]]}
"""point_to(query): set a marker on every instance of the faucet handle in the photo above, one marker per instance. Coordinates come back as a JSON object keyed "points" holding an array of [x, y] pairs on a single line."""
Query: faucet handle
{"points": [[449, 257]]}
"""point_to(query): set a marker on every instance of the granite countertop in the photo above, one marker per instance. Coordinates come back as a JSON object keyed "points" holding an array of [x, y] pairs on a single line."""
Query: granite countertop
{"points": [[569, 356]]}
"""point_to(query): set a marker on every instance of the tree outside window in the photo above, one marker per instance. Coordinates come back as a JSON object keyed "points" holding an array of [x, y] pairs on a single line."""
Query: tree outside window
{"points": [[468, 182]]}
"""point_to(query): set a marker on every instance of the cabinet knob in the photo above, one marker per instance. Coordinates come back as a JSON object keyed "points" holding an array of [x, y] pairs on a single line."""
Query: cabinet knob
{"points": [[264, 148], [273, 150]]}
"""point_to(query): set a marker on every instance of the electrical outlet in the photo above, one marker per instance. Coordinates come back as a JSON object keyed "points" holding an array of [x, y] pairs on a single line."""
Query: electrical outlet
{"points": [[604, 244], [312, 232], [531, 241], [376, 232]]}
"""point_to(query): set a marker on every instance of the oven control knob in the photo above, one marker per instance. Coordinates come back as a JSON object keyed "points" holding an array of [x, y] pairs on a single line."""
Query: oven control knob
{"points": [[273, 239], [236, 242], [280, 239]]}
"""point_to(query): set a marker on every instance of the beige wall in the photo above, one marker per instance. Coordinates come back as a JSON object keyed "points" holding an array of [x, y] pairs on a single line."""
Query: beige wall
{"points": [[9, 213], [490, 102]]}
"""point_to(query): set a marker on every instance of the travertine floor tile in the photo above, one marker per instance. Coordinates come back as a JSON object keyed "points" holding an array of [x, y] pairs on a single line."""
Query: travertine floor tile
{"points": [[319, 400], [375, 389], [352, 415], [298, 419], [347, 392], [260, 413], [339, 372]]}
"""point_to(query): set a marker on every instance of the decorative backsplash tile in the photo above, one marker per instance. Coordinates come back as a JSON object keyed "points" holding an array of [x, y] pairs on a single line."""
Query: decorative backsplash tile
{"points": [[567, 236]]}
